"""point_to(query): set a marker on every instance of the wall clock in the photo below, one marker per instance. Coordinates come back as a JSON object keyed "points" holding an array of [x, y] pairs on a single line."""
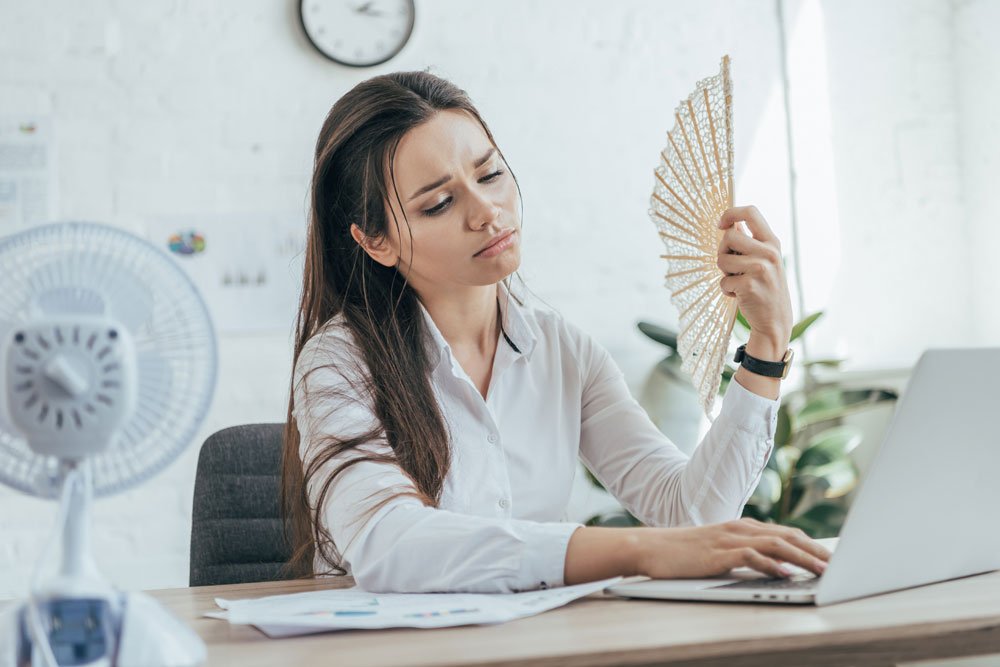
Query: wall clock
{"points": [[357, 33]]}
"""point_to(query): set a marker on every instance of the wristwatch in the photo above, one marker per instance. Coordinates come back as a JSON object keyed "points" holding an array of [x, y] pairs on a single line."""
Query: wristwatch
{"points": [[771, 369]]}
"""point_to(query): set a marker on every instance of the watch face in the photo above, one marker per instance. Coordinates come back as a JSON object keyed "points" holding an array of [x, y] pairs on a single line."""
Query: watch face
{"points": [[358, 33]]}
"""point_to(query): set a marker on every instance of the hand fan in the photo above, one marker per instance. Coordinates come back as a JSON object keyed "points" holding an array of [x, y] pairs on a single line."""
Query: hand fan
{"points": [[694, 186]]}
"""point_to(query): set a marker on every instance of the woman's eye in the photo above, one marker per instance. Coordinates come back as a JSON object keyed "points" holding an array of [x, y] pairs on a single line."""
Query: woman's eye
{"points": [[437, 209], [434, 210]]}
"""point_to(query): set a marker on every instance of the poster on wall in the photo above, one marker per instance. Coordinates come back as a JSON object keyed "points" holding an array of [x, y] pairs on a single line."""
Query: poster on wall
{"points": [[248, 267], [27, 172]]}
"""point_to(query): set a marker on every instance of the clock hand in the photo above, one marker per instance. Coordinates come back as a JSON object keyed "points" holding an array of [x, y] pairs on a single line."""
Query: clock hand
{"points": [[367, 9]]}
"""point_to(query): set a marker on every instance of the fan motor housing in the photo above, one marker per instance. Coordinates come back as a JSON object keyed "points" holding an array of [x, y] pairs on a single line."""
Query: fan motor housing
{"points": [[73, 383]]}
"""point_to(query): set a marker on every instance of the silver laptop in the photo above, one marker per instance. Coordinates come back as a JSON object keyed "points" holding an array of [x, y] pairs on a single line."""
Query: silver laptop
{"points": [[926, 510]]}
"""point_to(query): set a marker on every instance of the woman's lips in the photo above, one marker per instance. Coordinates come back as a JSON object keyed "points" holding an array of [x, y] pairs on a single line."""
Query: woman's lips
{"points": [[498, 246]]}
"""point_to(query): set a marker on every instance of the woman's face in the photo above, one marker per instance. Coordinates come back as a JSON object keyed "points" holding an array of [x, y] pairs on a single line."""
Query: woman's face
{"points": [[458, 198]]}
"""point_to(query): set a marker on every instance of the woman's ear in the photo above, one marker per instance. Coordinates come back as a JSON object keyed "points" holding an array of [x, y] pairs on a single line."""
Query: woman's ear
{"points": [[378, 249]]}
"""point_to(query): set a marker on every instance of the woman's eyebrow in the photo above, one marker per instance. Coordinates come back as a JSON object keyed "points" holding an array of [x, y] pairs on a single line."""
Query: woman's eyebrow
{"points": [[444, 179]]}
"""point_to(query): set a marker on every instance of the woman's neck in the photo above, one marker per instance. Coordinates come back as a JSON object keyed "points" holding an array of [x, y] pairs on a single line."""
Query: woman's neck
{"points": [[467, 318]]}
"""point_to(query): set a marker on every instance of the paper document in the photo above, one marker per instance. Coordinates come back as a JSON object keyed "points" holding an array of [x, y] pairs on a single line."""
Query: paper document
{"points": [[27, 172], [354, 609]]}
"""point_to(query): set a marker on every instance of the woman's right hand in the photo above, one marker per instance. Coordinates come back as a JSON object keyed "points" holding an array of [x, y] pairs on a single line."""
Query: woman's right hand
{"points": [[706, 551]]}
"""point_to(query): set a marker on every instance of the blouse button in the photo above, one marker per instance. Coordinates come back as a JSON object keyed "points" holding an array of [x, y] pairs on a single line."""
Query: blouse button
{"points": [[492, 437], [503, 503]]}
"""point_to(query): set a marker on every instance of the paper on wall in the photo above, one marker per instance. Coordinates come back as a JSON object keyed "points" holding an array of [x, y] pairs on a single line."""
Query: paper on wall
{"points": [[355, 609], [247, 267], [27, 172]]}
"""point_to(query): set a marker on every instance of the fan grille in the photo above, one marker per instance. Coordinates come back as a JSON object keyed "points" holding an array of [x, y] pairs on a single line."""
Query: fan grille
{"points": [[89, 267]]}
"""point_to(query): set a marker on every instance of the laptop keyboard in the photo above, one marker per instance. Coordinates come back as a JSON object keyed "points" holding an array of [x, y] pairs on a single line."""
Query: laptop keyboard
{"points": [[804, 582]]}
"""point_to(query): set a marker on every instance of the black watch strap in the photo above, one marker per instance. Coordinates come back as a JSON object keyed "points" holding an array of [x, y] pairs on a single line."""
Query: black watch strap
{"points": [[772, 369]]}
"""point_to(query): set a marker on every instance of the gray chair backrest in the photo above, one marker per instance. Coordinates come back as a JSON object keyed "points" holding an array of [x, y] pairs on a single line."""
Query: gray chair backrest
{"points": [[236, 526]]}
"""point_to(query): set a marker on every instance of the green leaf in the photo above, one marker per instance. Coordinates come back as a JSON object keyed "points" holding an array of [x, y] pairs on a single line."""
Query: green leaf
{"points": [[834, 479], [828, 363], [772, 460], [768, 491], [804, 324], [783, 429], [659, 334], [832, 403], [727, 376], [830, 445], [614, 520], [742, 320], [822, 402], [786, 458], [821, 520], [594, 480]]}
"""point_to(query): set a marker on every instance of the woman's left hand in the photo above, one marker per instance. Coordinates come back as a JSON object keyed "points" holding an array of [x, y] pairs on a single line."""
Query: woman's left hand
{"points": [[755, 275]]}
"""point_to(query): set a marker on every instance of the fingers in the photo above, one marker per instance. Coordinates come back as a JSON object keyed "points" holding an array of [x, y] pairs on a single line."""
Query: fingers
{"points": [[772, 544], [754, 284], [778, 548], [734, 265], [735, 241], [740, 271], [755, 266], [750, 557], [755, 222], [798, 537]]}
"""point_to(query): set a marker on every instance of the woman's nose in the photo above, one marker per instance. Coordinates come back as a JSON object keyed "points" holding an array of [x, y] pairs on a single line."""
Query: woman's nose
{"points": [[482, 212]]}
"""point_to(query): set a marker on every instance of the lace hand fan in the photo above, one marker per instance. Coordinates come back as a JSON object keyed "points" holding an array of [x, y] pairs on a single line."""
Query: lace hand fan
{"points": [[694, 186]]}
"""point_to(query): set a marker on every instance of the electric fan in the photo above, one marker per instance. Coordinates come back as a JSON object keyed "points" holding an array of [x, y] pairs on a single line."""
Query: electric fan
{"points": [[107, 367]]}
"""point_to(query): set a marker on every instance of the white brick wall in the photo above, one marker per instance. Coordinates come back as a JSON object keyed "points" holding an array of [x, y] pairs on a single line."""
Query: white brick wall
{"points": [[977, 82], [903, 280], [171, 108]]}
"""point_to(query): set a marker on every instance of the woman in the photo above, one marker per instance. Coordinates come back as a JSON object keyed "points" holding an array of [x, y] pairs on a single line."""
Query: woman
{"points": [[436, 414]]}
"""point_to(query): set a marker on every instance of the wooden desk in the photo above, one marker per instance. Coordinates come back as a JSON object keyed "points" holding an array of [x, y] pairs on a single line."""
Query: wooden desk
{"points": [[956, 618]]}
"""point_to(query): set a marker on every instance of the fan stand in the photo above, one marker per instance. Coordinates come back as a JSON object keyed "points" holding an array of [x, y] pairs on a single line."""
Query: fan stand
{"points": [[78, 618]]}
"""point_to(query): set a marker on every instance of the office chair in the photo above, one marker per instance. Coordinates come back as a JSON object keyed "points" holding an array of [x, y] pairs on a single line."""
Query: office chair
{"points": [[236, 527]]}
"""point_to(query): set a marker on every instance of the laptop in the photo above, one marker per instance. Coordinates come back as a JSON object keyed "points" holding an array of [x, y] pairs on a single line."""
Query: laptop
{"points": [[925, 512]]}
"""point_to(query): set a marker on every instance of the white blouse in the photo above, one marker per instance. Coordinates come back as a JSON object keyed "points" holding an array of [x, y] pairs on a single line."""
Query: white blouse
{"points": [[555, 394]]}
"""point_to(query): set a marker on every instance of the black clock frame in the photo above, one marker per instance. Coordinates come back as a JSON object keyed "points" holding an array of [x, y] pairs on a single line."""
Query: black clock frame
{"points": [[393, 54]]}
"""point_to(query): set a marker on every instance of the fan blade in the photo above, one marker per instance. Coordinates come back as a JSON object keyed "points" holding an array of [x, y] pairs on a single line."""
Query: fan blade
{"points": [[123, 459], [67, 301]]}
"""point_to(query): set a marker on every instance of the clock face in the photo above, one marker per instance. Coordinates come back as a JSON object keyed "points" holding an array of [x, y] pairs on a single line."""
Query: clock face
{"points": [[359, 33]]}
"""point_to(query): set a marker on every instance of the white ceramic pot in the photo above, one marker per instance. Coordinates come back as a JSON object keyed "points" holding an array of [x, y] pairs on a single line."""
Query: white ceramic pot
{"points": [[672, 404]]}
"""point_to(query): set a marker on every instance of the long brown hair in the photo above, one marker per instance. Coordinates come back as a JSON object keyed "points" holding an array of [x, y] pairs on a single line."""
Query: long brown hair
{"points": [[354, 153]]}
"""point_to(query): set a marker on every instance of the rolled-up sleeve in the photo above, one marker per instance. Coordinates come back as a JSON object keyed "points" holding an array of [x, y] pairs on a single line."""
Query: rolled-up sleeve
{"points": [[649, 475], [401, 545]]}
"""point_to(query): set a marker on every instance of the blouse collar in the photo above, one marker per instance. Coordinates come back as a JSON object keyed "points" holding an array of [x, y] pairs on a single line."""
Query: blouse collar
{"points": [[514, 324]]}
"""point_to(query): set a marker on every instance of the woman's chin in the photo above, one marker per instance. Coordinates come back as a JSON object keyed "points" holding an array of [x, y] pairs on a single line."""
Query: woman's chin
{"points": [[504, 266]]}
